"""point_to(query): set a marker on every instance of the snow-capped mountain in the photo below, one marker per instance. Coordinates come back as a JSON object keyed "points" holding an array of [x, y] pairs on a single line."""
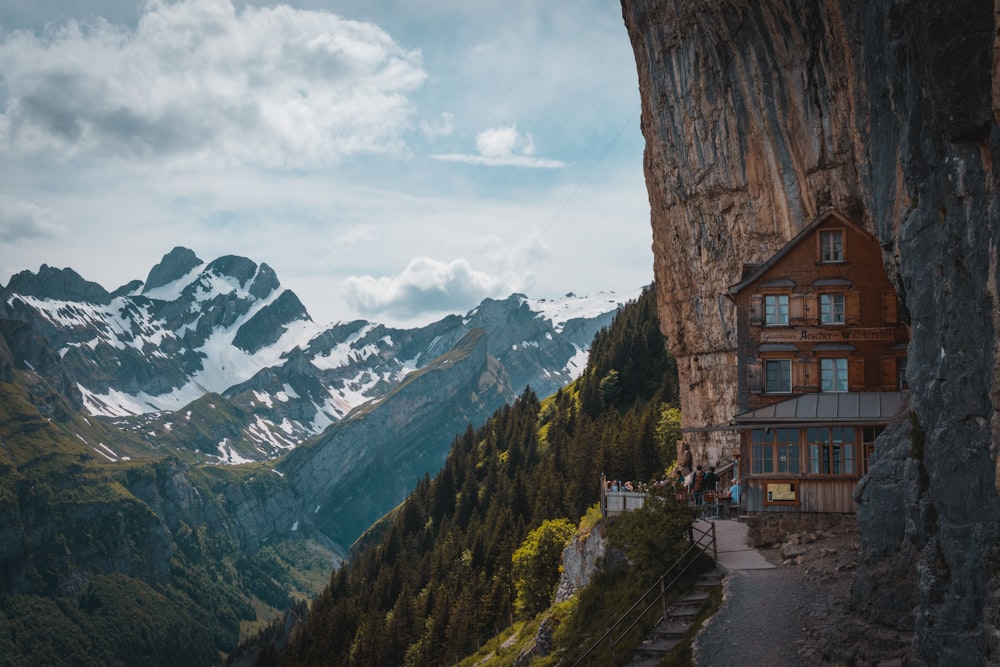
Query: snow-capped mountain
{"points": [[217, 358]]}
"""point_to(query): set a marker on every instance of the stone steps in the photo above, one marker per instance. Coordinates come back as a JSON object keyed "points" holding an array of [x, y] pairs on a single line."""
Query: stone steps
{"points": [[679, 618]]}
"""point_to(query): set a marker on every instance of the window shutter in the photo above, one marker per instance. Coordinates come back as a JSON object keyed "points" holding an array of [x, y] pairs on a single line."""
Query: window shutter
{"points": [[811, 315], [756, 310], [852, 307], [755, 374], [889, 306], [802, 375], [811, 375], [797, 309], [798, 375], [888, 373], [856, 374]]}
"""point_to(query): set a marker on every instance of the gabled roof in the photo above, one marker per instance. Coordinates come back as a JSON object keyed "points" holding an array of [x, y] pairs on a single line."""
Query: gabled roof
{"points": [[751, 272], [867, 407]]}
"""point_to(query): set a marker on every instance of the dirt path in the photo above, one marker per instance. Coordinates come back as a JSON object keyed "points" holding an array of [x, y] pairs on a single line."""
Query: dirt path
{"points": [[798, 614], [758, 623]]}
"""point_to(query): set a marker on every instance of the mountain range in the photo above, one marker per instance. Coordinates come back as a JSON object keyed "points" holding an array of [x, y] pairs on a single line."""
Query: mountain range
{"points": [[216, 363]]}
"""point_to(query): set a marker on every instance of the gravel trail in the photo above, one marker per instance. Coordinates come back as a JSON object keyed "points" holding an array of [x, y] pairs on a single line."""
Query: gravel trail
{"points": [[759, 622]]}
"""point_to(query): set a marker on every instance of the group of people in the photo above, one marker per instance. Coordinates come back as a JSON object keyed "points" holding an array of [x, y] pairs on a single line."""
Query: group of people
{"points": [[700, 482], [692, 487], [618, 485]]}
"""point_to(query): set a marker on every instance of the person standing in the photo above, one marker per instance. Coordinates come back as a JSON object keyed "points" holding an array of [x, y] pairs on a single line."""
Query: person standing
{"points": [[711, 480], [734, 496], [698, 485]]}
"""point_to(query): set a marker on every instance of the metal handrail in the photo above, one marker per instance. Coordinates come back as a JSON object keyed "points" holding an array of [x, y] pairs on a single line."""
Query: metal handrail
{"points": [[696, 548]]}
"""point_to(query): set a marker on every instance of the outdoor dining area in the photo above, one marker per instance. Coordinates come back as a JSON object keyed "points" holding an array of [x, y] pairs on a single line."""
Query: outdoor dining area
{"points": [[723, 501]]}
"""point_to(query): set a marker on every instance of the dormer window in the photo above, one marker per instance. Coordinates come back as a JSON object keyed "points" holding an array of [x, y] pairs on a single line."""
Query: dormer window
{"points": [[776, 310], [831, 245]]}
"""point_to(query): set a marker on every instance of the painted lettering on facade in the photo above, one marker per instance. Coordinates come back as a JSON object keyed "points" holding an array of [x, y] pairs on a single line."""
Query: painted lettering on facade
{"points": [[819, 335]]}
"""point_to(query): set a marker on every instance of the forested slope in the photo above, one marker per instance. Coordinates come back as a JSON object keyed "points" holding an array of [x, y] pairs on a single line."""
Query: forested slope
{"points": [[433, 581]]}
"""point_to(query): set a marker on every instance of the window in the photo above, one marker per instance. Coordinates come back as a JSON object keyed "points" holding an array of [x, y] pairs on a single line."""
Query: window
{"points": [[831, 246], [868, 435], [776, 309], [831, 451], [831, 308], [778, 376], [775, 451], [833, 374]]}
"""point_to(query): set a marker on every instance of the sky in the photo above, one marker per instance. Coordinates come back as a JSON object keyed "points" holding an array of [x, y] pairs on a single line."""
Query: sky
{"points": [[390, 160]]}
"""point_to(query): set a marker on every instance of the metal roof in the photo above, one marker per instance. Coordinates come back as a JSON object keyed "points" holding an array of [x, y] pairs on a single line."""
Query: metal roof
{"points": [[867, 407]]}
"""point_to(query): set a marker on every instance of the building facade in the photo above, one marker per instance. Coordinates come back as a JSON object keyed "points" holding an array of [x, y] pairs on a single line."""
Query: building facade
{"points": [[821, 354]]}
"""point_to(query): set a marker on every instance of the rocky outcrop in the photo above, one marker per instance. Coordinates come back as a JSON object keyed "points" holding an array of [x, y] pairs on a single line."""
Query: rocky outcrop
{"points": [[580, 561], [62, 284], [174, 265], [757, 117], [270, 322]]}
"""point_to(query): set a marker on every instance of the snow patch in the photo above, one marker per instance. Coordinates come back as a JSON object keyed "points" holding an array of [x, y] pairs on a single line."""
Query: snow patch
{"points": [[228, 455], [577, 363], [570, 307], [172, 290], [263, 398], [107, 452], [344, 353]]}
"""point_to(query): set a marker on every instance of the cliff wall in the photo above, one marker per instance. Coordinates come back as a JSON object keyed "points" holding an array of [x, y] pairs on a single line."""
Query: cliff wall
{"points": [[758, 116]]}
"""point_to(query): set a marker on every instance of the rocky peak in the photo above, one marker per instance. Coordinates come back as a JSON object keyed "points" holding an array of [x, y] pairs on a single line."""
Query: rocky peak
{"points": [[269, 323], [265, 282], [240, 268], [175, 265], [59, 284]]}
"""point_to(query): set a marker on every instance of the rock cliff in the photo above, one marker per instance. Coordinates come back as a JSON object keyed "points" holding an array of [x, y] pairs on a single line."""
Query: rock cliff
{"points": [[757, 117]]}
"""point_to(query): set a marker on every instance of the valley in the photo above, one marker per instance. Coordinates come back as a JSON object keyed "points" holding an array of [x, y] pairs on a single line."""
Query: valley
{"points": [[232, 505]]}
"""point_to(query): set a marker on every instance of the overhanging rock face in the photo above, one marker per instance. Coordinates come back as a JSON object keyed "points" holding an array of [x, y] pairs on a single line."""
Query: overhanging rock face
{"points": [[758, 116]]}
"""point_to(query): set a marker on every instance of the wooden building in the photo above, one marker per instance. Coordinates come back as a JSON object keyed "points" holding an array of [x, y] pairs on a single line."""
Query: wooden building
{"points": [[822, 367]]}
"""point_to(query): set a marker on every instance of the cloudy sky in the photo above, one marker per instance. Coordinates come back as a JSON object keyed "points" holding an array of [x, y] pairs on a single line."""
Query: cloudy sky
{"points": [[391, 160]]}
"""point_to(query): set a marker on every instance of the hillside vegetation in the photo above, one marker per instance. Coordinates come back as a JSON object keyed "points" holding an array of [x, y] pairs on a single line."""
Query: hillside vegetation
{"points": [[124, 563], [433, 581]]}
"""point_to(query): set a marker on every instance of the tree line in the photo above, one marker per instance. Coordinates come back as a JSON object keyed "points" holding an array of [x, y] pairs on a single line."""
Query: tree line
{"points": [[438, 577]]}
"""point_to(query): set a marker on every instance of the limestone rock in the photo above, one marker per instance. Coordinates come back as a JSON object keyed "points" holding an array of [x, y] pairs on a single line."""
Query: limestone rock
{"points": [[758, 116], [580, 561]]}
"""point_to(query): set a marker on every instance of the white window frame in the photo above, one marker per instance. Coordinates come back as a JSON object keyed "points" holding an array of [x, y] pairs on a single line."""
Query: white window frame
{"points": [[776, 311], [833, 375], [832, 309], [831, 245]]}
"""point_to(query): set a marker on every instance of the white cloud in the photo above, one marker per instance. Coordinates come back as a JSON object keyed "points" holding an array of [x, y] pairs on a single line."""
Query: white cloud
{"points": [[503, 147], [503, 142], [274, 86], [246, 131], [425, 286], [23, 220]]}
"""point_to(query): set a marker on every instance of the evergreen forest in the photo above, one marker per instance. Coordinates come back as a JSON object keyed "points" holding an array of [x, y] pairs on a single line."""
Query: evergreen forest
{"points": [[435, 580]]}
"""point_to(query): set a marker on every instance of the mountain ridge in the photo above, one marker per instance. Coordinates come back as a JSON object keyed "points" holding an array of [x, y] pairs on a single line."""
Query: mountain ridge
{"points": [[147, 351]]}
